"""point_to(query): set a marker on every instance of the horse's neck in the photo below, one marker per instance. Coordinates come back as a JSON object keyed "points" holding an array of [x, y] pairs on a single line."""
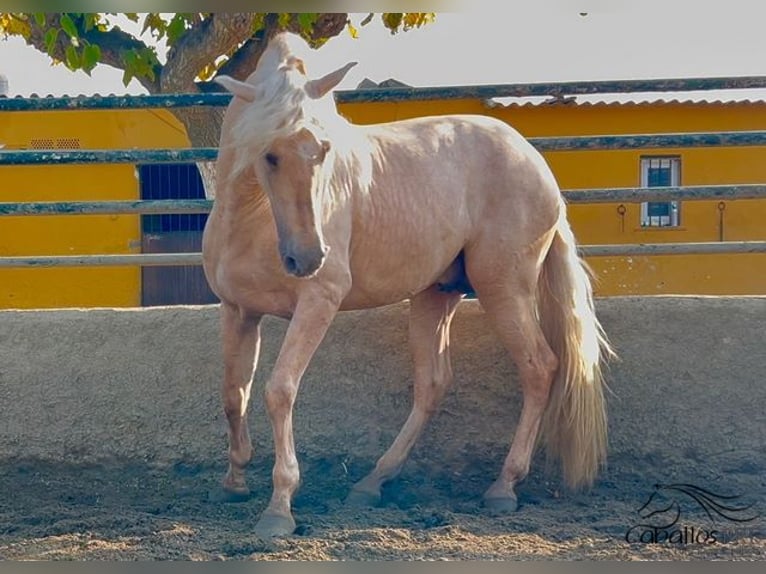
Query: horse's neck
{"points": [[352, 173], [243, 197]]}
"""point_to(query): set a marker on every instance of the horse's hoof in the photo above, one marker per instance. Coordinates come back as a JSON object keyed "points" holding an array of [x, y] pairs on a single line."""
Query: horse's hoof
{"points": [[501, 505], [362, 498], [226, 495], [273, 525]]}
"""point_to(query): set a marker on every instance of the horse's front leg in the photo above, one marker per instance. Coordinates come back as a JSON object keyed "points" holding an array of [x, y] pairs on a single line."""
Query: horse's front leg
{"points": [[313, 315], [241, 338]]}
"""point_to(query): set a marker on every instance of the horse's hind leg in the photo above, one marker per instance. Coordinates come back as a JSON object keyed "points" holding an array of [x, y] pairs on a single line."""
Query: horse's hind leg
{"points": [[431, 313], [516, 323], [508, 295]]}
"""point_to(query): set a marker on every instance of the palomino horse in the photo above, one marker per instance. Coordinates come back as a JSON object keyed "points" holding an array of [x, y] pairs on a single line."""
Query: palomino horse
{"points": [[314, 215]]}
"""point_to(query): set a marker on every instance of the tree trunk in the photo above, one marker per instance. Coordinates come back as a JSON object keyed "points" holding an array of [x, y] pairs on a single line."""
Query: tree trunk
{"points": [[203, 124], [203, 127]]}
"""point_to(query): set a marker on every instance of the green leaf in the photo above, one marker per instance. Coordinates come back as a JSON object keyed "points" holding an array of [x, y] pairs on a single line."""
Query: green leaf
{"points": [[417, 19], [72, 58], [176, 28], [40, 18], [192, 18], [259, 21], [392, 21], [307, 20], [15, 25], [91, 55], [90, 21], [130, 58], [67, 24], [139, 63], [50, 40], [127, 75], [156, 24]]}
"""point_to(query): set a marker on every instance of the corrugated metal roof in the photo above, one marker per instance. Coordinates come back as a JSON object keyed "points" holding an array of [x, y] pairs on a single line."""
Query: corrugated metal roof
{"points": [[401, 93], [747, 96]]}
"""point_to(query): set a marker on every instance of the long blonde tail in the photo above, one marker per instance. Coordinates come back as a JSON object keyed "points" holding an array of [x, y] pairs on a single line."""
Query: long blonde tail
{"points": [[574, 427]]}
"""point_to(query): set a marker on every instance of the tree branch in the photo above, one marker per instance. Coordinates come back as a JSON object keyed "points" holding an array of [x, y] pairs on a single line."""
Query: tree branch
{"points": [[112, 43], [242, 63], [244, 60], [202, 44], [328, 25]]}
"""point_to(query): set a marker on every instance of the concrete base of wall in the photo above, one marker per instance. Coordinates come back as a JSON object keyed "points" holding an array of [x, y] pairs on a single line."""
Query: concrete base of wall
{"points": [[91, 385]]}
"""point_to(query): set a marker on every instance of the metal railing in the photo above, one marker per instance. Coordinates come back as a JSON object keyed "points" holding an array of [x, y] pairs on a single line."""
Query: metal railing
{"points": [[558, 144], [568, 143], [397, 94]]}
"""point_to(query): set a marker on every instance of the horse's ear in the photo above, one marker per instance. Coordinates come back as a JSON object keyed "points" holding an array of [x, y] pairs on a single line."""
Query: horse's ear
{"points": [[319, 87], [297, 64], [239, 89]]}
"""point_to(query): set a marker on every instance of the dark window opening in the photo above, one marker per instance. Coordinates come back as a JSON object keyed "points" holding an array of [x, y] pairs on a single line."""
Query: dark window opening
{"points": [[171, 181], [173, 233]]}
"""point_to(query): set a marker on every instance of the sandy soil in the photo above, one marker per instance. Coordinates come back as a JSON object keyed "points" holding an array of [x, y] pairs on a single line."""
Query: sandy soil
{"points": [[112, 439]]}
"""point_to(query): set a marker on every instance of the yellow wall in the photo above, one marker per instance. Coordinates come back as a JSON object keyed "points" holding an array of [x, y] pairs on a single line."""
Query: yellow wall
{"points": [[602, 224], [75, 234], [593, 224]]}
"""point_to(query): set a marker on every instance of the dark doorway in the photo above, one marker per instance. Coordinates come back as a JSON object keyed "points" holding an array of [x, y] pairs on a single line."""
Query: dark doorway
{"points": [[173, 233]]}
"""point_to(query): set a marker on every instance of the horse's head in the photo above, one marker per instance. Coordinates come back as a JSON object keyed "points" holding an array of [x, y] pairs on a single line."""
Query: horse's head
{"points": [[281, 137]]}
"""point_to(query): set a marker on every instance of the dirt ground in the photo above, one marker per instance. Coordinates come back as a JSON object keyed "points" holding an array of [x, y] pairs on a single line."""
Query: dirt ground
{"points": [[112, 440]]}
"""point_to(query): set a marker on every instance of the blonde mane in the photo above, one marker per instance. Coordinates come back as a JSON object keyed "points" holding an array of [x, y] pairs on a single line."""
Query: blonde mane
{"points": [[282, 106]]}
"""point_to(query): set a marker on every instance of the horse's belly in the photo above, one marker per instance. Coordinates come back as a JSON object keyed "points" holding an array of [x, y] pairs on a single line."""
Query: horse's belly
{"points": [[375, 283], [362, 298]]}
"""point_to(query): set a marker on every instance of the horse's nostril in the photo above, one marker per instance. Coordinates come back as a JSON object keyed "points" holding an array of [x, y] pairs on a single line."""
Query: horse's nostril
{"points": [[291, 265]]}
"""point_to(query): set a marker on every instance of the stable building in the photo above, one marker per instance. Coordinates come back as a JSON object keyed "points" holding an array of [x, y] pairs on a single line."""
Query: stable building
{"points": [[610, 223]]}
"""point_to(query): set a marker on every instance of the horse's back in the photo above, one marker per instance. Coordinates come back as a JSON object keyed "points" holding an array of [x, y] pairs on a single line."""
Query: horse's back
{"points": [[476, 164], [489, 152], [459, 129]]}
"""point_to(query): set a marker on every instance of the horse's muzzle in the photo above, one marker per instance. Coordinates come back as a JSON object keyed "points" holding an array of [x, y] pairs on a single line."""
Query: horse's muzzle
{"points": [[303, 262]]}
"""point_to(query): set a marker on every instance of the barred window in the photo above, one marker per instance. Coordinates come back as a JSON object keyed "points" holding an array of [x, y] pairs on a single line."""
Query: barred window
{"points": [[660, 172]]}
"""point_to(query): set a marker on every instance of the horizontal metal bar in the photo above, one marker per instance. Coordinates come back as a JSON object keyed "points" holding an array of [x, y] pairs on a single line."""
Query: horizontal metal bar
{"points": [[213, 97], [673, 248], [568, 143], [168, 259], [186, 155], [640, 194], [146, 206], [145, 259], [484, 92], [588, 196], [153, 101], [648, 141]]}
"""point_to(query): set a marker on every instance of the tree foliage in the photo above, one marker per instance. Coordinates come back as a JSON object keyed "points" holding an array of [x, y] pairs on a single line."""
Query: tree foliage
{"points": [[197, 45], [180, 52]]}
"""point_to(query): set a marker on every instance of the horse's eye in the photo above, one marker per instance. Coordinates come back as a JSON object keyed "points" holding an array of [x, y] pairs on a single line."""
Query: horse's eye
{"points": [[272, 160]]}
